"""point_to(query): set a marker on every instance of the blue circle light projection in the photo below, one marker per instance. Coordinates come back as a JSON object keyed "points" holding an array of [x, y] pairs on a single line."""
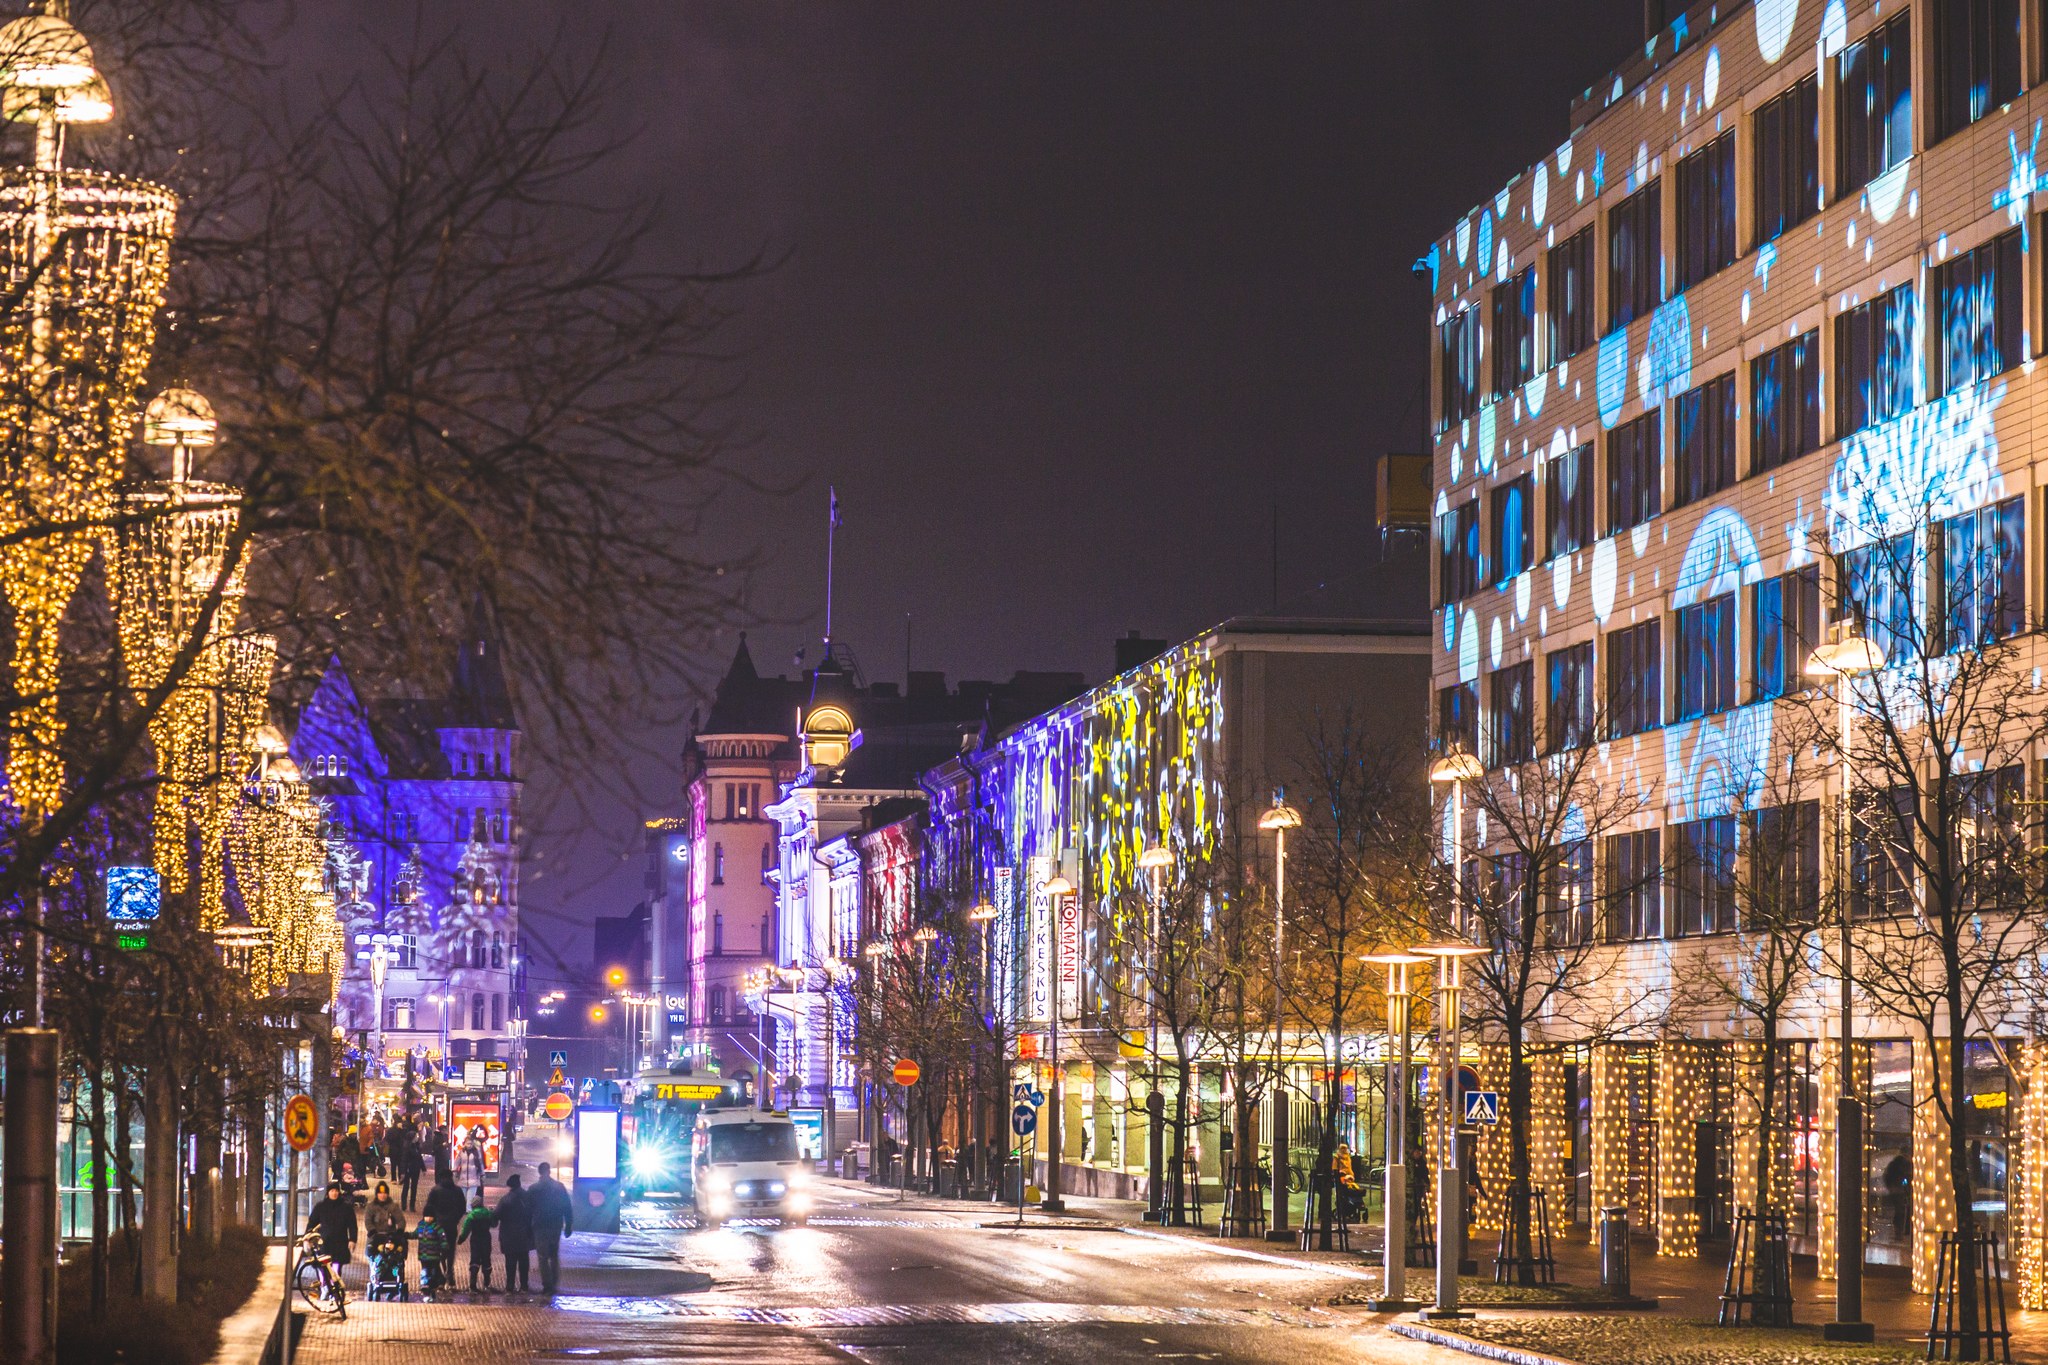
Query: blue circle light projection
{"points": [[1485, 257], [1721, 557], [1667, 354], [1774, 20]]}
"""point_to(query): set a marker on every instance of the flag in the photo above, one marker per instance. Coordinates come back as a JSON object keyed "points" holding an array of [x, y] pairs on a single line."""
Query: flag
{"points": [[833, 518]]}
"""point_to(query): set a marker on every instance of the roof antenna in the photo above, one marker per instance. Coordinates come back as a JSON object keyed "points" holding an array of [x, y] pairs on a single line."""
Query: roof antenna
{"points": [[831, 526]]}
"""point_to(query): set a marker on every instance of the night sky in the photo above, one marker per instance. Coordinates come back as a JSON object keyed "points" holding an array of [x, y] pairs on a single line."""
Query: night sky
{"points": [[1074, 294]]}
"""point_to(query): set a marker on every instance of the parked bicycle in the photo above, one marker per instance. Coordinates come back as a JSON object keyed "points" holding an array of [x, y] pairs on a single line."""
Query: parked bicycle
{"points": [[319, 1279]]}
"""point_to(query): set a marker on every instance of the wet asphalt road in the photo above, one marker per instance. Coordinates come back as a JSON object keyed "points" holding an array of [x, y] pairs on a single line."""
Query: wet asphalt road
{"points": [[871, 1280]]}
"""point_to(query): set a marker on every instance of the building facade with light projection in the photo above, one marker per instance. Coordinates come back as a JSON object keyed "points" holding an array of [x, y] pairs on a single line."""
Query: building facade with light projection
{"points": [[1181, 751], [1752, 352]]}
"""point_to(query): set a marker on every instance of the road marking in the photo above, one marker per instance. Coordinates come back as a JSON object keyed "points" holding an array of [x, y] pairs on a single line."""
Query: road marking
{"points": [[1243, 1254], [811, 1318]]}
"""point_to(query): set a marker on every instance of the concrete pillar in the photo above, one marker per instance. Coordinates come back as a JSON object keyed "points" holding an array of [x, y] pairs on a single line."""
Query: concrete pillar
{"points": [[160, 1161], [28, 1199]]}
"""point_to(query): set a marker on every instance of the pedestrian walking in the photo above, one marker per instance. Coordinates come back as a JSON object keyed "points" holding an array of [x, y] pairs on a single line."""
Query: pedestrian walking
{"points": [[439, 1150], [445, 1202], [476, 1233], [382, 1216], [515, 1234], [334, 1218], [551, 1216]]}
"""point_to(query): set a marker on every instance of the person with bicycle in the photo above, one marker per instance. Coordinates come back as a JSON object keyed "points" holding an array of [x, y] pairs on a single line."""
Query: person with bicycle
{"points": [[334, 1218]]}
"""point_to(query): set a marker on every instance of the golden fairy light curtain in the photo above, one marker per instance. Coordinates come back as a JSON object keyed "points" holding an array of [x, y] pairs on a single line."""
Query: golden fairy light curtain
{"points": [[243, 664], [84, 258]]}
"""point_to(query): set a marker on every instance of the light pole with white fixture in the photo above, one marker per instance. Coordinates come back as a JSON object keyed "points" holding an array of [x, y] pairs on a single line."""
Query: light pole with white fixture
{"points": [[1450, 1220], [1278, 818], [1394, 1293]]}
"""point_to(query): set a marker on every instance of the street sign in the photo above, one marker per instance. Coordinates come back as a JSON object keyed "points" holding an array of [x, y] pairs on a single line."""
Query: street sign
{"points": [[1023, 1120], [906, 1072], [557, 1079], [559, 1106], [1021, 1093], [301, 1123], [558, 1059], [1482, 1106], [134, 894]]}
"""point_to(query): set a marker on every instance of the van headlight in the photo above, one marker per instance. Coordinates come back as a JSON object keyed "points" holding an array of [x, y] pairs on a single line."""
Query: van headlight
{"points": [[717, 1182]]}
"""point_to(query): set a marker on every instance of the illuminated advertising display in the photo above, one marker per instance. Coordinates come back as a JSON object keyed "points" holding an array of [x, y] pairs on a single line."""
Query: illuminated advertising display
{"points": [[597, 1144], [466, 1115], [1070, 957], [1038, 971]]}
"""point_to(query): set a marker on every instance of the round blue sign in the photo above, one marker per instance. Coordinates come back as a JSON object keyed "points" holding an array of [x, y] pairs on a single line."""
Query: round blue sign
{"points": [[1023, 1120]]}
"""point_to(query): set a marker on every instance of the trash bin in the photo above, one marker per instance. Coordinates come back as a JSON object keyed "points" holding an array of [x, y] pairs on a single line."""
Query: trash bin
{"points": [[1614, 1252]]}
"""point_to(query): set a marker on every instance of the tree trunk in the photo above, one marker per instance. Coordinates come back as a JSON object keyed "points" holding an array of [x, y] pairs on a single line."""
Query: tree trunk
{"points": [[1518, 1200], [124, 1166], [1764, 1150], [205, 1184], [160, 1151], [1962, 1184], [96, 1118], [1324, 1181], [255, 1134], [1245, 1156], [1176, 1178]]}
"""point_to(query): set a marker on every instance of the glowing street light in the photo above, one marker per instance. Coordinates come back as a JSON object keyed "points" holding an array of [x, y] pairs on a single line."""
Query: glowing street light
{"points": [[1278, 818], [1450, 987], [1056, 891], [1394, 1297]]}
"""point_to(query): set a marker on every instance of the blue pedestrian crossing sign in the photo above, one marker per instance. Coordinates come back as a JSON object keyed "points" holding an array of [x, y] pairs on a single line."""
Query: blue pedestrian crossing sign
{"points": [[1482, 1106], [1027, 1094], [1023, 1120], [558, 1059]]}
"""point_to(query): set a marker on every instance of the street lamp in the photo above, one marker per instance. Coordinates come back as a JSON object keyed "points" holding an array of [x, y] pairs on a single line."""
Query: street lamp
{"points": [[873, 950], [1846, 656], [375, 950], [1279, 818], [1056, 890], [1394, 1294], [836, 971], [1155, 860], [1450, 986]]}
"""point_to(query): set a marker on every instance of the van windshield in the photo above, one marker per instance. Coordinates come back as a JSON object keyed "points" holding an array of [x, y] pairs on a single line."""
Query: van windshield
{"points": [[753, 1142]]}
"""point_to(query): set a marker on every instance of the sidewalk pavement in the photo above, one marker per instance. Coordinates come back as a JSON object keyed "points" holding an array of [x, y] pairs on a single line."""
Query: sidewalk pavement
{"points": [[247, 1331]]}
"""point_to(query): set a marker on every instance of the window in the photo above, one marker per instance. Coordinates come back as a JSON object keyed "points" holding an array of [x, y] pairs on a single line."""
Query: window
{"points": [[1507, 875], [1881, 853], [1874, 106], [476, 825], [1569, 713], [1635, 679], [731, 799], [1976, 61], [497, 1012], [1512, 732], [1514, 332], [1568, 900], [497, 827], [476, 948], [1983, 575], [1568, 502], [1979, 297], [408, 950], [1784, 863], [402, 1013], [1635, 878], [1703, 876], [1788, 159], [1878, 592], [1458, 553], [1784, 628], [1706, 211], [1459, 346], [1784, 403], [497, 950], [1704, 443], [1706, 657], [1989, 838], [747, 791], [1635, 465], [718, 1002], [767, 936], [476, 1011], [1635, 259], [1457, 717], [1876, 361], [1569, 282], [718, 864], [767, 863], [1513, 528], [717, 932]]}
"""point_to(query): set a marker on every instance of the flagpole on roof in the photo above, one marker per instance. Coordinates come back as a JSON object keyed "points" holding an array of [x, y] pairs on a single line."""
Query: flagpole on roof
{"points": [[831, 525]]}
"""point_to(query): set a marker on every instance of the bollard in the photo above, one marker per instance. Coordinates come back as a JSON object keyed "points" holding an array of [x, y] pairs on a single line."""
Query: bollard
{"points": [[1614, 1252]]}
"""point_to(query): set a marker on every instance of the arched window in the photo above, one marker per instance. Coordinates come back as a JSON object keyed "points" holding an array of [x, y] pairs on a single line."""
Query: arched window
{"points": [[497, 1012], [497, 950], [476, 1011], [476, 947], [497, 827]]}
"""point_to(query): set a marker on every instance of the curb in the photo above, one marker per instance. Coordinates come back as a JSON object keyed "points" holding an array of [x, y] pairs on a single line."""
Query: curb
{"points": [[1471, 1346], [1215, 1248]]}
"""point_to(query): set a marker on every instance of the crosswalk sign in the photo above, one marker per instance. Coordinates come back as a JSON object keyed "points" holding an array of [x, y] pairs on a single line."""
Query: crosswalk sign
{"points": [[1482, 1106], [558, 1059]]}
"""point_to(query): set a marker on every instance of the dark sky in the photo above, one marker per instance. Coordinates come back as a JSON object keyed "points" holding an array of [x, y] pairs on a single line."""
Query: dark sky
{"points": [[1075, 294]]}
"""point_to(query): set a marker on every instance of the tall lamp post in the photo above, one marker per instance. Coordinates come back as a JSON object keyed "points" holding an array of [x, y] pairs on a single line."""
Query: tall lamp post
{"points": [[873, 950], [1450, 987], [1155, 861], [1394, 1295], [1056, 890], [1454, 769], [1278, 818], [836, 971], [374, 950], [1845, 657]]}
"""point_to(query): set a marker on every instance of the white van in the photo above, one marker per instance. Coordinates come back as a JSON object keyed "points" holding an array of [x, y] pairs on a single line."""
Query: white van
{"points": [[744, 1163]]}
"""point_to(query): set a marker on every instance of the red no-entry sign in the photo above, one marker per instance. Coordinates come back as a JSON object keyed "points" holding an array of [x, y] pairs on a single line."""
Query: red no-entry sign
{"points": [[907, 1071]]}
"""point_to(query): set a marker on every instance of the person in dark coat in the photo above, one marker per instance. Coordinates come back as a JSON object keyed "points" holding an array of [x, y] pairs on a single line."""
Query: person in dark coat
{"points": [[406, 1160], [445, 1202], [551, 1215], [515, 1234], [334, 1218], [476, 1232], [440, 1153]]}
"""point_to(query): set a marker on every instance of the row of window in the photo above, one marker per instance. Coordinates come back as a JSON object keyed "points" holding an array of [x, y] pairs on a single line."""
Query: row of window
{"points": [[1979, 559], [718, 935], [486, 1011], [1877, 377], [1975, 68], [1763, 868]]}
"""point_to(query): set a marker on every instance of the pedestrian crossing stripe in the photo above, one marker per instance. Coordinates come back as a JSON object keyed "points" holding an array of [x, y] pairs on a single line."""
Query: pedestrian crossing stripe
{"points": [[887, 1315]]}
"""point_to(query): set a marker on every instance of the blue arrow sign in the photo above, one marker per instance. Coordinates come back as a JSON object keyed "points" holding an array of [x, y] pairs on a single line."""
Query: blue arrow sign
{"points": [[1482, 1106], [1023, 1120]]}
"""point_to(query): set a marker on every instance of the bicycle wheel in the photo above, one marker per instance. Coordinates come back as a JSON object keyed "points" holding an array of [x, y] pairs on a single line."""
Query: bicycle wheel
{"points": [[313, 1285]]}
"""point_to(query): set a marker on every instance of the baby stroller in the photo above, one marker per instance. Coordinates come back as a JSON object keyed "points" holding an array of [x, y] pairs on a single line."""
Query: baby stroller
{"points": [[435, 1251], [387, 1269]]}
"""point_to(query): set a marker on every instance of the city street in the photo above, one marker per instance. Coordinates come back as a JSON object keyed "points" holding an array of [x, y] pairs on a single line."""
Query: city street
{"points": [[874, 1280]]}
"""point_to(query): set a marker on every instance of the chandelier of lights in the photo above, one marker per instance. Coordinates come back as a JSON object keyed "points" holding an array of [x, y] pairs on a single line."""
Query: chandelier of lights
{"points": [[243, 665], [84, 258]]}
